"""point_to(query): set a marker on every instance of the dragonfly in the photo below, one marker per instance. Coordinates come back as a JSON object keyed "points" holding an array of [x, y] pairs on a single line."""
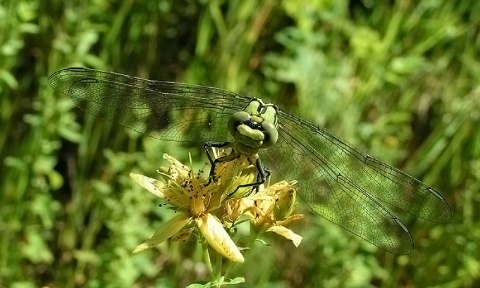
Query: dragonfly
{"points": [[335, 180]]}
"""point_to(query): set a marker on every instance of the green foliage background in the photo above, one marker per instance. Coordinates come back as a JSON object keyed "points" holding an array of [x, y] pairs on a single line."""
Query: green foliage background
{"points": [[399, 79]]}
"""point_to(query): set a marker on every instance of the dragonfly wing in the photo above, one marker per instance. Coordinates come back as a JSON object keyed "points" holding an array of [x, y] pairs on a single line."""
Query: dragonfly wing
{"points": [[379, 180], [348, 188], [163, 110]]}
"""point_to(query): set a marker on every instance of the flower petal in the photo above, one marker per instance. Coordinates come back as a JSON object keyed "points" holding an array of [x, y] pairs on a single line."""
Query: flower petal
{"points": [[289, 219], [173, 194], [286, 201], [169, 229], [154, 186], [287, 233], [177, 169], [218, 238]]}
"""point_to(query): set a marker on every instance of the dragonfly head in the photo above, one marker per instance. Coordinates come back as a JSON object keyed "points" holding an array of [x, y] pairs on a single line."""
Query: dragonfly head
{"points": [[255, 127]]}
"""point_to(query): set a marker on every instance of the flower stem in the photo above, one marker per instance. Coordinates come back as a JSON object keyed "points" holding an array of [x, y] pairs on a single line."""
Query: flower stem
{"points": [[208, 262]]}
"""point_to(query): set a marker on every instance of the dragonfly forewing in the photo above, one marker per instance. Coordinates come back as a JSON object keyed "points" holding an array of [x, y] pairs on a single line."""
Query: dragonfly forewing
{"points": [[163, 110]]}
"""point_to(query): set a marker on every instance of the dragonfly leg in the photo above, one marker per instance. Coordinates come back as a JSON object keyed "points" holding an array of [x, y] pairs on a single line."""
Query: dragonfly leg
{"points": [[211, 158], [267, 174], [262, 175]]}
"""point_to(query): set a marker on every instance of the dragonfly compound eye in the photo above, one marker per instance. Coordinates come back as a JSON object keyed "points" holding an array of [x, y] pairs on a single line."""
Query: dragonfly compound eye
{"points": [[271, 134], [237, 119]]}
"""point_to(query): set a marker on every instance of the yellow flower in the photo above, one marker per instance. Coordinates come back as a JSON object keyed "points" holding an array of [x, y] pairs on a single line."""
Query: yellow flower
{"points": [[270, 209], [195, 199], [198, 201]]}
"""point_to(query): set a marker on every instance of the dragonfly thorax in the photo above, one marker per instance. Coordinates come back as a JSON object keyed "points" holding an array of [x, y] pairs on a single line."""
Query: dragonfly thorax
{"points": [[254, 128]]}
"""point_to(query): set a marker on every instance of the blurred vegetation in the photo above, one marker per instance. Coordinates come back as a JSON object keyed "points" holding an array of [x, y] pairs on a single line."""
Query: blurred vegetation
{"points": [[399, 79]]}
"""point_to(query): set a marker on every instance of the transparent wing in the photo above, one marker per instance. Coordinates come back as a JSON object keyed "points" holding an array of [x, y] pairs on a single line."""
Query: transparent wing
{"points": [[349, 188], [163, 110]]}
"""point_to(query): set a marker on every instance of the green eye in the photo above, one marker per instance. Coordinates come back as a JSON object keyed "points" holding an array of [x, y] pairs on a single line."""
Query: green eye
{"points": [[237, 118], [271, 134]]}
